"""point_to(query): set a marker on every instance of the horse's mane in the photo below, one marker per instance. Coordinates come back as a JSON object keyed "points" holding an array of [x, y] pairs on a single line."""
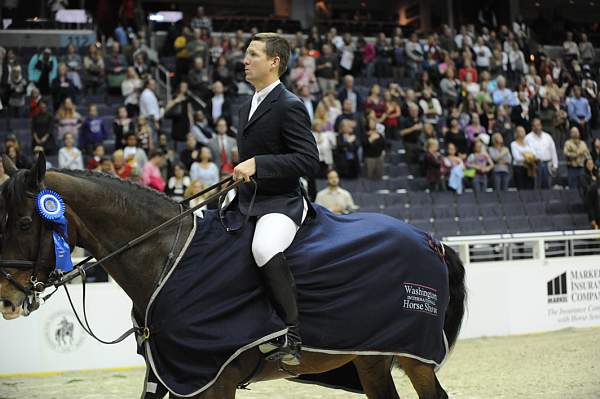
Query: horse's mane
{"points": [[130, 186]]}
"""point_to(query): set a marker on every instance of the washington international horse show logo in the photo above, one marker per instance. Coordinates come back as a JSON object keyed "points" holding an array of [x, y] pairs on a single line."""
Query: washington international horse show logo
{"points": [[63, 334]]}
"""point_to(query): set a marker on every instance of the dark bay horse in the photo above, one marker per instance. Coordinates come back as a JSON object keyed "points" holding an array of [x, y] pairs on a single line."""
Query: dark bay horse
{"points": [[103, 212]]}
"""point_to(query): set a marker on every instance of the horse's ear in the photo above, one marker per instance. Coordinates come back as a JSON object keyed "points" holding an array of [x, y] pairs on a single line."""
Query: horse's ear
{"points": [[9, 166], [38, 171]]}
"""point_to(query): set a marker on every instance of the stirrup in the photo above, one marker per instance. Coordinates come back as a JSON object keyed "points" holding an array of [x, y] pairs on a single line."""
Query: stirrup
{"points": [[288, 352]]}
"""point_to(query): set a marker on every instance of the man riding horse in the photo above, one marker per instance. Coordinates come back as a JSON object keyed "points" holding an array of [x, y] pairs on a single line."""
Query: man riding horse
{"points": [[276, 147]]}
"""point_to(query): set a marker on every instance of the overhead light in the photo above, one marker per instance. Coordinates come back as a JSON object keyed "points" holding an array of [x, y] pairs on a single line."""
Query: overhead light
{"points": [[537, 3]]}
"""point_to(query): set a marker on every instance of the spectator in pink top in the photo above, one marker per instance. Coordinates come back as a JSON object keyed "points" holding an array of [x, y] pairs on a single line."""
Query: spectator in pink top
{"points": [[151, 176]]}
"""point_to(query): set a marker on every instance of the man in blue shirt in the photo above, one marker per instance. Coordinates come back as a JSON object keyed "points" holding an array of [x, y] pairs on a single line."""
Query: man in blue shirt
{"points": [[579, 112]]}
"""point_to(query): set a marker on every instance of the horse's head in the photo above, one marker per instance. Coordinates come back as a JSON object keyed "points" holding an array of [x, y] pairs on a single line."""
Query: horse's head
{"points": [[24, 237]]}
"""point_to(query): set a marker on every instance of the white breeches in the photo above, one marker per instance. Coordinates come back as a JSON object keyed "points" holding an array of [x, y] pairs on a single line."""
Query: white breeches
{"points": [[274, 233]]}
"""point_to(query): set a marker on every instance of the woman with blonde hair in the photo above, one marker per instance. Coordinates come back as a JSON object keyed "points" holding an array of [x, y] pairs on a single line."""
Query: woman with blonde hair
{"points": [[68, 120], [195, 187], [502, 160]]}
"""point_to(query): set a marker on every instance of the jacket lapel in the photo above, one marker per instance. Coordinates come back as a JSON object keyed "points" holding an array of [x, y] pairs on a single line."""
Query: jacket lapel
{"points": [[264, 107], [244, 112]]}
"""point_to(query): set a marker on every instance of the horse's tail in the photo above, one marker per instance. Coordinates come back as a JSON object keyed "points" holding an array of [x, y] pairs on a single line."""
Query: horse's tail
{"points": [[458, 294]]}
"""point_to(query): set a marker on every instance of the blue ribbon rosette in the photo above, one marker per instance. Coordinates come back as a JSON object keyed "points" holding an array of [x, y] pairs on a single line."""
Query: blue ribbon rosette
{"points": [[52, 208]]}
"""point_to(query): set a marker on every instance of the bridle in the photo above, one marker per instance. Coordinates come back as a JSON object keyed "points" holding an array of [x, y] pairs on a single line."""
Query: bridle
{"points": [[56, 278]]}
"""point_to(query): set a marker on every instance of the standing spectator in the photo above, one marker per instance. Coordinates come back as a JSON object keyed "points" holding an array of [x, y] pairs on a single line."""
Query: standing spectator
{"points": [[180, 111], [198, 79], [502, 159], [482, 163], [347, 158], [116, 65], [17, 89], [68, 120], [503, 124], [3, 176], [74, 63], [383, 52], [516, 61], [218, 106], [503, 95], [449, 88], [42, 130], [143, 132], [201, 129], [204, 169], [576, 152], [223, 148], [483, 54], [149, 107], [454, 168], [456, 136], [414, 53], [134, 155], [178, 183], [468, 70], [122, 125], [42, 70], [595, 152], [431, 107], [308, 101], [521, 113], [586, 50], [302, 76], [69, 156], [130, 90], [335, 198], [411, 130], [191, 153], [327, 69], [62, 87], [326, 141], [570, 48], [474, 129], [524, 162], [93, 65], [374, 101], [201, 21], [92, 131], [588, 182], [579, 112], [140, 65], [374, 147], [223, 73], [151, 176], [368, 56], [34, 102], [391, 115], [348, 92], [544, 149], [433, 165]]}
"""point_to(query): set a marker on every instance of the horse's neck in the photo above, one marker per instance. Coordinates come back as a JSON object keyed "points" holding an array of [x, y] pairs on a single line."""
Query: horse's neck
{"points": [[103, 218]]}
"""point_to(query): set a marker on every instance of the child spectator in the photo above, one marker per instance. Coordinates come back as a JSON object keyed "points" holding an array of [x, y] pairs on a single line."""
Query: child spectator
{"points": [[92, 131], [69, 156], [178, 183]]}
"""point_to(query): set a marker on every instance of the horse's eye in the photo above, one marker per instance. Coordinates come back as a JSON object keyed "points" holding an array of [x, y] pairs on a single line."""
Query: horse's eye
{"points": [[25, 223]]}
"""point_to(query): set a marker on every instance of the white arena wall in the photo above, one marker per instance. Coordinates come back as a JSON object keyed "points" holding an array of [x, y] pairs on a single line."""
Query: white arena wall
{"points": [[505, 296]]}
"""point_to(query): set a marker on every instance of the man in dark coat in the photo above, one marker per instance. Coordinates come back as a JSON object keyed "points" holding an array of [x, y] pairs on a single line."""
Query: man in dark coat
{"points": [[276, 147]]}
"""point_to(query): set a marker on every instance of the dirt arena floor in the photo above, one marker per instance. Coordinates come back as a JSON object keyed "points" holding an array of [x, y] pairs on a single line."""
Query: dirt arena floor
{"points": [[559, 365]]}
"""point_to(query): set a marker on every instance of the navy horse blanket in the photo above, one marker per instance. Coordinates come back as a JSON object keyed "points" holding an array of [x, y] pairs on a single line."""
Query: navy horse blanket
{"points": [[367, 284]]}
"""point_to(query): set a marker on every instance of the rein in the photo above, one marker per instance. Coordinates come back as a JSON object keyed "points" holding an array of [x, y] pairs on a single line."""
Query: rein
{"points": [[58, 279]]}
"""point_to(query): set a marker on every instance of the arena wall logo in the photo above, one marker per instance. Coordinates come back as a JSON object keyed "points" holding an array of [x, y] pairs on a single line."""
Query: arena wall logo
{"points": [[557, 289], [63, 334], [574, 296]]}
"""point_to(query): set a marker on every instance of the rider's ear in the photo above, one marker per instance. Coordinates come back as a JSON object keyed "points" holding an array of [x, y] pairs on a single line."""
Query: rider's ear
{"points": [[38, 171], [9, 166]]}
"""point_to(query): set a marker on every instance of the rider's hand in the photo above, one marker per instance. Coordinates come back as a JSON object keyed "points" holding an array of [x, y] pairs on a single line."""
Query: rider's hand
{"points": [[245, 170]]}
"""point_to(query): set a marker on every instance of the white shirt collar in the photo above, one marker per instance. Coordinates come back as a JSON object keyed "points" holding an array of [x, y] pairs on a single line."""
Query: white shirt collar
{"points": [[265, 92]]}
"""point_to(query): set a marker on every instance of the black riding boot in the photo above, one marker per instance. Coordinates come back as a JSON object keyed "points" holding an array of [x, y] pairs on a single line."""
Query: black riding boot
{"points": [[280, 285]]}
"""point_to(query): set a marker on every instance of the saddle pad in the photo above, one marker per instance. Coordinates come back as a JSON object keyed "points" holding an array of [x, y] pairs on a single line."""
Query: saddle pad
{"points": [[367, 284]]}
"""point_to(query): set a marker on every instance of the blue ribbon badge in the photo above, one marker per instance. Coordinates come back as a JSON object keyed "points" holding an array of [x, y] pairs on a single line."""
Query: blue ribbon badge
{"points": [[52, 208]]}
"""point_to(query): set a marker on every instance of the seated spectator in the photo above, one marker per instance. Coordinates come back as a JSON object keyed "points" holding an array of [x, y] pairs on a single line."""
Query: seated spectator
{"points": [[326, 141], [130, 90], [17, 90], [134, 155], [122, 125], [579, 112], [335, 198], [201, 129], [544, 149], [106, 166], [199, 78], [69, 156], [143, 133], [34, 102], [94, 162], [432, 109], [122, 168], [42, 70], [151, 176], [589, 181], [576, 153], [42, 129], [191, 152], [194, 188], [433, 165], [411, 132], [218, 106], [482, 163], [223, 73], [68, 120], [93, 65], [503, 95], [502, 159], [178, 183], [467, 70], [223, 148], [347, 149], [474, 129], [140, 65], [204, 169], [374, 148], [453, 169], [92, 131], [62, 87], [74, 63], [391, 115], [455, 135], [115, 64], [524, 162]]}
